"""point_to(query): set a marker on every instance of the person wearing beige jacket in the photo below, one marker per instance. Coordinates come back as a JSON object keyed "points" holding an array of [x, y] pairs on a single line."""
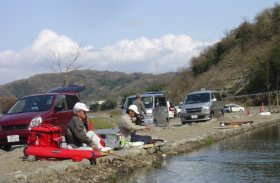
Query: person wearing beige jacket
{"points": [[127, 126]]}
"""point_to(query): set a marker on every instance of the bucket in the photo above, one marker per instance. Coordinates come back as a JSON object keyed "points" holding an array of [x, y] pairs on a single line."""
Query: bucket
{"points": [[120, 140]]}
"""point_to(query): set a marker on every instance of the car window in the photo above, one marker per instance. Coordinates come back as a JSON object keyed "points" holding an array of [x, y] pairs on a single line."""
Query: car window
{"points": [[129, 101], [148, 102], [60, 104], [217, 96], [32, 104], [71, 101], [161, 101]]}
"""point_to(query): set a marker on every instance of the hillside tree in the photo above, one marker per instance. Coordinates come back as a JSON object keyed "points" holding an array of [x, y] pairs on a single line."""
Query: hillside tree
{"points": [[67, 63]]}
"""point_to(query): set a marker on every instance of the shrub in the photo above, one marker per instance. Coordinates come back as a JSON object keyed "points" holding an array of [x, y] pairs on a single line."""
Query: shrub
{"points": [[116, 112]]}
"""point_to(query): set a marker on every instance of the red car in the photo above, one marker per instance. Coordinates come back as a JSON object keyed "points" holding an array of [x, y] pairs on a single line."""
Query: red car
{"points": [[54, 107]]}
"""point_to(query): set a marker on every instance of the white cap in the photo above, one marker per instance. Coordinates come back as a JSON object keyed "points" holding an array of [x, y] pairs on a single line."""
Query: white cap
{"points": [[80, 106], [133, 108]]}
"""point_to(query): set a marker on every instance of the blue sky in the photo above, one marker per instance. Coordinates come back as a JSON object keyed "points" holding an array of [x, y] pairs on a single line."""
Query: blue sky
{"points": [[150, 36]]}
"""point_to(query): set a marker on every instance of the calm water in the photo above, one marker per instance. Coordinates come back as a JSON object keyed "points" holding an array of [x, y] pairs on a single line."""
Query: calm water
{"points": [[251, 157]]}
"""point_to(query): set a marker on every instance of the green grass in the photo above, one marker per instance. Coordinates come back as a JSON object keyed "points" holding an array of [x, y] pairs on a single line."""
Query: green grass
{"points": [[101, 123], [209, 142], [113, 178]]}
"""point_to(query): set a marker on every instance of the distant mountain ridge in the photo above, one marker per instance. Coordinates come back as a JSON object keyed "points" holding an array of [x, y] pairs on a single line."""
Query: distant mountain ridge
{"points": [[100, 85]]}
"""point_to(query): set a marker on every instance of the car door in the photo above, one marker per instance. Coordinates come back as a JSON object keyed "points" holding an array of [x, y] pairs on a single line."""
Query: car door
{"points": [[62, 112], [234, 108], [214, 105], [160, 111], [219, 104]]}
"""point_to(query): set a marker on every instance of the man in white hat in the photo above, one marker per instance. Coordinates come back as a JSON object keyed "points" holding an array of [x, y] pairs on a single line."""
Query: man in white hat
{"points": [[127, 126], [76, 134]]}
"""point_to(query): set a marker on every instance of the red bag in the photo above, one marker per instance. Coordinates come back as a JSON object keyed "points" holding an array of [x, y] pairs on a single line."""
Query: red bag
{"points": [[45, 135], [60, 153]]}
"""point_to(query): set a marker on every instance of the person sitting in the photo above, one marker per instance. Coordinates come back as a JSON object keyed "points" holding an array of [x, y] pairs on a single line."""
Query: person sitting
{"points": [[77, 135], [128, 128]]}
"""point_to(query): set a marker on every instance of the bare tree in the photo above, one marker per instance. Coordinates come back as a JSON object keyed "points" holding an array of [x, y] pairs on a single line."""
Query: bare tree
{"points": [[68, 63]]}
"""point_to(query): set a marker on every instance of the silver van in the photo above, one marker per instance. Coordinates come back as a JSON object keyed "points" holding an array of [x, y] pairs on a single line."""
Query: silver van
{"points": [[155, 104], [201, 106]]}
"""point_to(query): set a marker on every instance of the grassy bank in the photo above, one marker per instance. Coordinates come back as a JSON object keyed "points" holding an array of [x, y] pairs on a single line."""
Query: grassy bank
{"points": [[105, 120]]}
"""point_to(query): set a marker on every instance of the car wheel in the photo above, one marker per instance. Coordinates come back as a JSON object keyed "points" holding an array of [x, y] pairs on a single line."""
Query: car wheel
{"points": [[212, 115], [155, 122], [178, 115], [240, 110]]}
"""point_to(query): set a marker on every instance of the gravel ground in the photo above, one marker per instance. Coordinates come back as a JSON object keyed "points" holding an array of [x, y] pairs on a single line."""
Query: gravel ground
{"points": [[15, 168]]}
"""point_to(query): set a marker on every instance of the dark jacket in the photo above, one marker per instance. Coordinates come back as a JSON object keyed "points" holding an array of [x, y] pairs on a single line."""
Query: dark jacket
{"points": [[75, 134]]}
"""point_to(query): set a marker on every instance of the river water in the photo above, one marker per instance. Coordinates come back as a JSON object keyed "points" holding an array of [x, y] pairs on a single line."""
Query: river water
{"points": [[250, 157]]}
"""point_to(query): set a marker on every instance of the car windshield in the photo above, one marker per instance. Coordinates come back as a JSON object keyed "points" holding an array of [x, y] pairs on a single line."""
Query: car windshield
{"points": [[32, 104], [148, 101], [197, 98]]}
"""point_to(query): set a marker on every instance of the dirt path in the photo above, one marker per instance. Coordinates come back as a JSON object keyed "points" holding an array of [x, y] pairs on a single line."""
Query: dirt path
{"points": [[15, 167]]}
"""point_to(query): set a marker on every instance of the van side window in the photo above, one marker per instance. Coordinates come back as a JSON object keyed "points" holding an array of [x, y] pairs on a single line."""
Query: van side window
{"points": [[148, 102], [213, 96], [71, 101], [217, 96], [60, 104], [161, 101]]}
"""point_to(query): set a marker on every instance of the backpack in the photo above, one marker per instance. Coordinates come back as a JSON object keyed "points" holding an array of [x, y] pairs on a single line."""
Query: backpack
{"points": [[45, 135]]}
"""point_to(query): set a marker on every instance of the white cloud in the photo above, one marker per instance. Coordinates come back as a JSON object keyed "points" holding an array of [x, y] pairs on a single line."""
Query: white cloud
{"points": [[167, 53]]}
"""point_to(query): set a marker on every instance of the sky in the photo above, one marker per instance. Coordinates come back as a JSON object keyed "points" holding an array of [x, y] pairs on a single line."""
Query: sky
{"points": [[148, 36]]}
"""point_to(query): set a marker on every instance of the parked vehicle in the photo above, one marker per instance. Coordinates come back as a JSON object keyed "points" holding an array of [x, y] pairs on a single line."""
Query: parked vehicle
{"points": [[201, 106], [233, 108], [156, 107], [54, 107], [177, 111], [171, 110], [227, 108]]}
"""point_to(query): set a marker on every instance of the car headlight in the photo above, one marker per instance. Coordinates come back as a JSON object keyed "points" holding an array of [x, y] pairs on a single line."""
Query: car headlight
{"points": [[35, 122], [205, 109]]}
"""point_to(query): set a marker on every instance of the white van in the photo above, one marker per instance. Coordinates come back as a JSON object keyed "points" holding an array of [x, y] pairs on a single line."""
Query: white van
{"points": [[155, 104]]}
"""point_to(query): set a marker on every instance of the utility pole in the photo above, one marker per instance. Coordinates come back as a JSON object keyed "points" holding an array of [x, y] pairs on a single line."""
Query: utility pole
{"points": [[156, 67]]}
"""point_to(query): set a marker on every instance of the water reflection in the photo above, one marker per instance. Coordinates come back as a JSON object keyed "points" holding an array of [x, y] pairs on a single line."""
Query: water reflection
{"points": [[250, 157]]}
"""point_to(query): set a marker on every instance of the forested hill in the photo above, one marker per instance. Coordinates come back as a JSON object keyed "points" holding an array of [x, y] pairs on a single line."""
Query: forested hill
{"points": [[246, 60], [100, 85]]}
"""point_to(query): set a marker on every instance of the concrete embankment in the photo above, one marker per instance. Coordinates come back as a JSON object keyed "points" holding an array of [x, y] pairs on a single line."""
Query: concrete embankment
{"points": [[178, 139]]}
